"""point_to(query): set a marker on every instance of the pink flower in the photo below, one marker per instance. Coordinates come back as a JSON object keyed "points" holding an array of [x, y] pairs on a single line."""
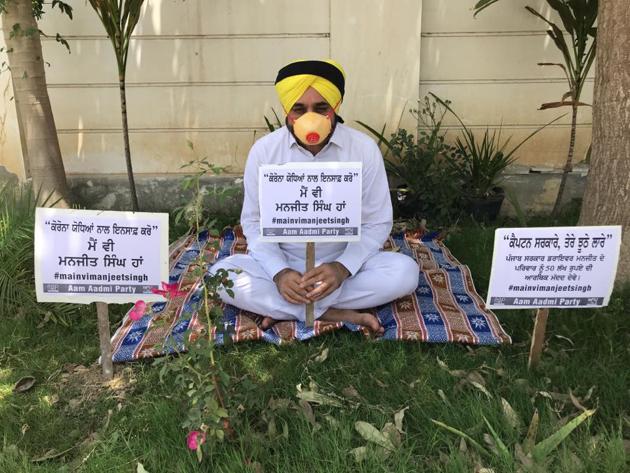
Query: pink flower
{"points": [[195, 439], [169, 291], [137, 310]]}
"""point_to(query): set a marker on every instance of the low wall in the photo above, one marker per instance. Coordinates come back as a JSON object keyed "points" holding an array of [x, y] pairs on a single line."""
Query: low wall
{"points": [[534, 189]]}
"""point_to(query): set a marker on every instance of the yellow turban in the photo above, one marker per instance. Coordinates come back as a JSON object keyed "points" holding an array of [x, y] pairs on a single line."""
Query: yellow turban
{"points": [[326, 77]]}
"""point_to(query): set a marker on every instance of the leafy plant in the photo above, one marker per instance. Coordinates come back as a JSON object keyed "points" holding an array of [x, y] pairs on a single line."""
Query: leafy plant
{"points": [[424, 183], [17, 220], [578, 53], [194, 213], [273, 126], [482, 5], [197, 370], [479, 162], [120, 17], [528, 453]]}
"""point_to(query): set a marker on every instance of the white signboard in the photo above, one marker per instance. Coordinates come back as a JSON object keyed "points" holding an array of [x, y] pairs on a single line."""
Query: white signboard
{"points": [[553, 267], [84, 256], [310, 202]]}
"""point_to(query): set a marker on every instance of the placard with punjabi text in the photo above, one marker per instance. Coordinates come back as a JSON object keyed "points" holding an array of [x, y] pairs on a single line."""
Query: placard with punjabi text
{"points": [[310, 202], [553, 267], [84, 256]]}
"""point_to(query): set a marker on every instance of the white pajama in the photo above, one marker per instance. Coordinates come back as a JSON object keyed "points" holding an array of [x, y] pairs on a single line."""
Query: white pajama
{"points": [[384, 277], [376, 277]]}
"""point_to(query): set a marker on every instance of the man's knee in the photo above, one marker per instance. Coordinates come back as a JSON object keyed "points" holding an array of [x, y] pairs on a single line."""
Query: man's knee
{"points": [[220, 265], [403, 274], [393, 273]]}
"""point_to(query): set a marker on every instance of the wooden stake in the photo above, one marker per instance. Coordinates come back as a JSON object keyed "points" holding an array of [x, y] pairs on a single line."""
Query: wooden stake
{"points": [[538, 338], [310, 264], [104, 337]]}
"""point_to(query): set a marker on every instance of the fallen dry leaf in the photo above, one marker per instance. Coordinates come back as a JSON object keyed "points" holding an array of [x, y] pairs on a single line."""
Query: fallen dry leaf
{"points": [[359, 453], [391, 432], [350, 391], [323, 356], [372, 434], [481, 388], [510, 415], [532, 432], [398, 419], [307, 410], [140, 468], [317, 398], [462, 445], [24, 384], [275, 404], [576, 402]]}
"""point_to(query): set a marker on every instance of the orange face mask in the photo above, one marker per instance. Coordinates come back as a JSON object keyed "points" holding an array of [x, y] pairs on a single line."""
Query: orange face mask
{"points": [[312, 128]]}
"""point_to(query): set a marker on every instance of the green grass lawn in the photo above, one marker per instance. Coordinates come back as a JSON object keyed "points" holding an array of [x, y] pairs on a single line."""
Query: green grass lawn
{"points": [[69, 422]]}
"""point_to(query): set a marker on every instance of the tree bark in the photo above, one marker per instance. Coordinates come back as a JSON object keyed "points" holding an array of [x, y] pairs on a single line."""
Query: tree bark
{"points": [[607, 195], [40, 144]]}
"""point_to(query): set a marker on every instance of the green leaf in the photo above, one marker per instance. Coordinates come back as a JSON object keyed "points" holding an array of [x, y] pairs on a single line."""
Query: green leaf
{"points": [[482, 5], [269, 125], [564, 11], [467, 437], [379, 135], [545, 447], [504, 453]]}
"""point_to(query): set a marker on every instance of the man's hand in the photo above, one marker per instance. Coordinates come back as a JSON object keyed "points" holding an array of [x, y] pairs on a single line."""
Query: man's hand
{"points": [[324, 279], [288, 284]]}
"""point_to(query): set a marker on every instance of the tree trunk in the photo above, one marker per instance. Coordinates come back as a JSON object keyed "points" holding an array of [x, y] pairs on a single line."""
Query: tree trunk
{"points": [[607, 195], [568, 167], [40, 145], [125, 126]]}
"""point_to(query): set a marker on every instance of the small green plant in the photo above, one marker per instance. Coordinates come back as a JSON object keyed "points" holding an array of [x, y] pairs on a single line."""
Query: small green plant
{"points": [[273, 126], [17, 220], [528, 453], [479, 163], [194, 213], [197, 371], [424, 183]]}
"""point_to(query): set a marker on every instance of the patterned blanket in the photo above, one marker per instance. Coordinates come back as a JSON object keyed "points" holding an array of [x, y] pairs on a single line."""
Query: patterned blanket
{"points": [[444, 308]]}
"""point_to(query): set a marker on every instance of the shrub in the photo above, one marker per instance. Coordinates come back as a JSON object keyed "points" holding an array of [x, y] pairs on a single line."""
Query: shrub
{"points": [[423, 182], [17, 289]]}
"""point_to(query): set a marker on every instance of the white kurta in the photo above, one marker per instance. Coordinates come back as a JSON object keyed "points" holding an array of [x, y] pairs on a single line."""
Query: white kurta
{"points": [[376, 277]]}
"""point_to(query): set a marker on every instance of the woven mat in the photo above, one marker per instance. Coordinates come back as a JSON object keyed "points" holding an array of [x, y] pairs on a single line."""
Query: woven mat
{"points": [[444, 308]]}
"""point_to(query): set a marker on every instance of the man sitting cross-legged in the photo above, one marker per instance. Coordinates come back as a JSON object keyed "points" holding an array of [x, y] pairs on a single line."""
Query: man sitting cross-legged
{"points": [[348, 277]]}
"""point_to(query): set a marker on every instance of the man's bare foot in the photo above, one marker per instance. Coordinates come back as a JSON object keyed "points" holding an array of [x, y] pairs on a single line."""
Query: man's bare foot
{"points": [[267, 322], [364, 319], [372, 323]]}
